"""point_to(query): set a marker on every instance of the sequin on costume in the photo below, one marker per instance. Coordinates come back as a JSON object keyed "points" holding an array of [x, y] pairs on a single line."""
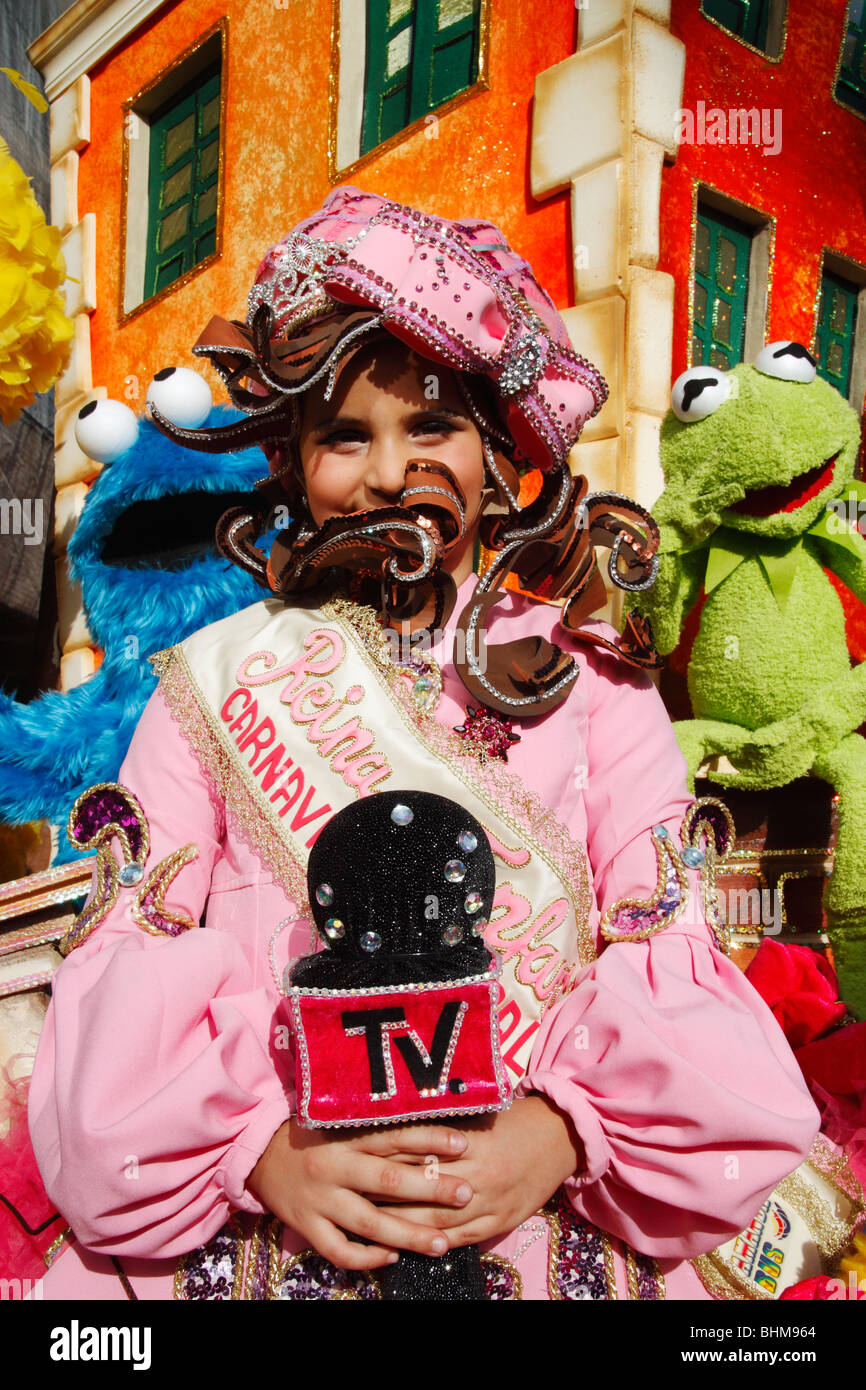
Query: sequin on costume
{"points": [[486, 733], [105, 812], [707, 835], [149, 909], [213, 1271], [635, 919], [579, 1267]]}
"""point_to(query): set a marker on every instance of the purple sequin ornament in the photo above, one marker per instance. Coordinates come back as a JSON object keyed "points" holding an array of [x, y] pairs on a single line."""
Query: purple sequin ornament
{"points": [[311, 1276], [103, 807], [502, 1283], [211, 1272], [634, 919], [579, 1270], [708, 819]]}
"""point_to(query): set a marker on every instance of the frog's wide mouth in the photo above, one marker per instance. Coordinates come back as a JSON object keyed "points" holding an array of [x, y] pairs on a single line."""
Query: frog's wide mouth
{"points": [[787, 497]]}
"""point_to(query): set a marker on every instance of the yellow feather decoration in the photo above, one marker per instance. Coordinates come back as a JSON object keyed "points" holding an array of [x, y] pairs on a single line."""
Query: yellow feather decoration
{"points": [[33, 94], [35, 332]]}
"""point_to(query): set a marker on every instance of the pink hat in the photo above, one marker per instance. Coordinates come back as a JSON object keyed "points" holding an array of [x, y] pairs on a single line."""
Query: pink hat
{"points": [[457, 294], [454, 291]]}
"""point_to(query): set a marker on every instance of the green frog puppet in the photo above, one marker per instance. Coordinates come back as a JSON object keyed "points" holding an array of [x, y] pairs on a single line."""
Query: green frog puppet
{"points": [[762, 548]]}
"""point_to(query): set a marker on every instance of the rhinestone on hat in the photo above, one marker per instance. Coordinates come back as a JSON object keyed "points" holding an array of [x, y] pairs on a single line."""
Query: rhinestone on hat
{"points": [[371, 941], [455, 871], [402, 815], [467, 841], [324, 894]]}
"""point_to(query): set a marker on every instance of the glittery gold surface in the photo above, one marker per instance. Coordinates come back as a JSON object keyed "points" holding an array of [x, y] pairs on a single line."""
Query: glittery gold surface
{"points": [[666, 855], [65, 1237]]}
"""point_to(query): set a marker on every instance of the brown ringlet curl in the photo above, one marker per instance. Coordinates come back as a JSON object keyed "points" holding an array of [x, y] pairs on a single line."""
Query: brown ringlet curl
{"points": [[547, 546]]}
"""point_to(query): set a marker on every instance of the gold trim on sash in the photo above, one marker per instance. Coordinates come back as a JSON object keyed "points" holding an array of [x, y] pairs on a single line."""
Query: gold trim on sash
{"points": [[284, 659], [201, 731], [828, 1231], [521, 808]]}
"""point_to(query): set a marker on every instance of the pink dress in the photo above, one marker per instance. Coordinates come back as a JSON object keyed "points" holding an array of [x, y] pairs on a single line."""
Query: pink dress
{"points": [[156, 1087]]}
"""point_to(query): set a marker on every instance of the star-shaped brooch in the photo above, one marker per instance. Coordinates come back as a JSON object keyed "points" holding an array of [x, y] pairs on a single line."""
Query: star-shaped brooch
{"points": [[487, 733]]}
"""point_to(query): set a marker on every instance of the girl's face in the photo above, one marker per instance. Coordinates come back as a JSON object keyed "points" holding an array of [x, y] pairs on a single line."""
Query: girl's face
{"points": [[388, 406]]}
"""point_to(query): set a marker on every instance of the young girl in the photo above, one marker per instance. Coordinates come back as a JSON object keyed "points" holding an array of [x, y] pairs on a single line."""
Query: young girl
{"points": [[397, 367]]}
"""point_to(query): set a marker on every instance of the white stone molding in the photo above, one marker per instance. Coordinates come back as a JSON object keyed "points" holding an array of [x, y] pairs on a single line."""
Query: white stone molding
{"points": [[350, 98], [82, 36], [79, 252], [604, 120], [68, 90], [77, 667], [69, 120], [67, 509]]}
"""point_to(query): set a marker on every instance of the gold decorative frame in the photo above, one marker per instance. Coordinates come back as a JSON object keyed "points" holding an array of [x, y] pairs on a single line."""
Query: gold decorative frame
{"points": [[128, 108], [758, 218], [482, 83], [761, 52], [759, 863]]}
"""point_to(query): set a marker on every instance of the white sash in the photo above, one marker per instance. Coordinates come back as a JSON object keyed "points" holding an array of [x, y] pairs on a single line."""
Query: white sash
{"points": [[293, 713]]}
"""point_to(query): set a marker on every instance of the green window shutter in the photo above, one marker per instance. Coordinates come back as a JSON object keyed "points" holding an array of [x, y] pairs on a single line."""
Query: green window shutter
{"points": [[851, 82], [834, 339], [183, 183], [420, 53], [721, 290], [748, 19], [446, 53]]}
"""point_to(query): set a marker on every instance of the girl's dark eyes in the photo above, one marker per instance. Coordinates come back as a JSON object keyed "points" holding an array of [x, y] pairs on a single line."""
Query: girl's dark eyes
{"points": [[436, 426], [431, 426]]}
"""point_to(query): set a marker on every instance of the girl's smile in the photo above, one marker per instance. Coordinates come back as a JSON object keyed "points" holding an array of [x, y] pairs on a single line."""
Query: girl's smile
{"points": [[389, 406]]}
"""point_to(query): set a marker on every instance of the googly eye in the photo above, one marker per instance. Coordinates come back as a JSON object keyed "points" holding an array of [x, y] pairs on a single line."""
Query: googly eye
{"points": [[105, 429], [698, 392], [182, 396], [787, 361]]}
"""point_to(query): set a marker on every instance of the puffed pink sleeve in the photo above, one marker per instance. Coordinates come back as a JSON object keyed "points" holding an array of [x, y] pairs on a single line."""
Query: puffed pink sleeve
{"points": [[680, 1083], [156, 1085]]}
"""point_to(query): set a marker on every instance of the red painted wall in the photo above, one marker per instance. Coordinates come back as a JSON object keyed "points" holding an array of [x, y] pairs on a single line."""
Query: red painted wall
{"points": [[815, 186]]}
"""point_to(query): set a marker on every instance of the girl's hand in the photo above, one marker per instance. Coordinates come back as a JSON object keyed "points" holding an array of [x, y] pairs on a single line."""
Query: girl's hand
{"points": [[514, 1161], [320, 1184]]}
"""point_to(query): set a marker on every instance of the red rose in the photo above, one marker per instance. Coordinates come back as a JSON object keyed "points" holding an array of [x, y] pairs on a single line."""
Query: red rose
{"points": [[800, 987], [821, 1288]]}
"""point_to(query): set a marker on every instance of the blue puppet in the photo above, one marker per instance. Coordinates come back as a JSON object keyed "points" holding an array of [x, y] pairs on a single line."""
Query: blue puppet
{"points": [[144, 554]]}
